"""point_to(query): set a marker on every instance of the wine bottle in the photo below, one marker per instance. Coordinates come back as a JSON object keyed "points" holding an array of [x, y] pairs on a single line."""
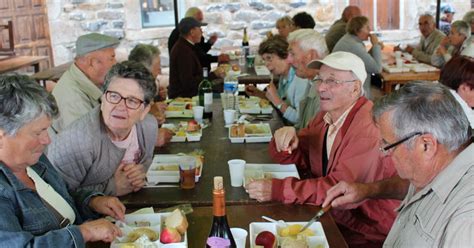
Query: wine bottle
{"points": [[205, 94], [245, 43], [220, 227]]}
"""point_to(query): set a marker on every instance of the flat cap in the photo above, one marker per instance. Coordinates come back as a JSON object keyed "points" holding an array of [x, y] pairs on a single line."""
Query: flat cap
{"points": [[188, 23], [92, 42]]}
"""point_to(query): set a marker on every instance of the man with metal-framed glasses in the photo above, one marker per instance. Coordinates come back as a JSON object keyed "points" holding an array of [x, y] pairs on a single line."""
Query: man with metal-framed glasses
{"points": [[340, 143], [427, 134]]}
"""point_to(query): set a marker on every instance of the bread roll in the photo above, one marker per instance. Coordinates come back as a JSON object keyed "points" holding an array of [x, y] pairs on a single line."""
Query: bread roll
{"points": [[177, 220]]}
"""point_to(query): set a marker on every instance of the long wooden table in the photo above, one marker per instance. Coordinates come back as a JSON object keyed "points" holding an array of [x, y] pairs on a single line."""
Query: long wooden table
{"points": [[218, 150], [17, 62], [392, 79]]}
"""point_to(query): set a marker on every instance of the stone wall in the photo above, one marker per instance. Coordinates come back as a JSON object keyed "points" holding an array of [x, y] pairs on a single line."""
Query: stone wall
{"points": [[69, 19]]}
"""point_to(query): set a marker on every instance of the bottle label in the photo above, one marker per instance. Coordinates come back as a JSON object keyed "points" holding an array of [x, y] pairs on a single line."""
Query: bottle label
{"points": [[230, 87], [207, 102]]}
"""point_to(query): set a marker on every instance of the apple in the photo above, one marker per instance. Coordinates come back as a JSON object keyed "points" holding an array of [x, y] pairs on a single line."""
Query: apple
{"points": [[170, 235], [266, 239], [193, 126]]}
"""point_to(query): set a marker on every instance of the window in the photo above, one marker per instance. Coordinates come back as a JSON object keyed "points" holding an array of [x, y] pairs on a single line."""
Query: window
{"points": [[159, 13]]}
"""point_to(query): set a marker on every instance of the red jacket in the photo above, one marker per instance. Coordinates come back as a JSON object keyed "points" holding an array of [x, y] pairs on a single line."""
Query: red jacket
{"points": [[354, 157]]}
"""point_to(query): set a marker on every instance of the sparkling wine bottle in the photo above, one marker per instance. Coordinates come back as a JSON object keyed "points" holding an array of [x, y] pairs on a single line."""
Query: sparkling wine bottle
{"points": [[220, 227]]}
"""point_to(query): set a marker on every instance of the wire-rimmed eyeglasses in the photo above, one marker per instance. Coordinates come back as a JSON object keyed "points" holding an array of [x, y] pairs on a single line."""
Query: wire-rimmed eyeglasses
{"points": [[386, 149], [331, 82], [115, 98]]}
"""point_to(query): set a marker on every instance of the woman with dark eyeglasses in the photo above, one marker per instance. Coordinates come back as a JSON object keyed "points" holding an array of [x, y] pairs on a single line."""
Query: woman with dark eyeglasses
{"points": [[111, 147]]}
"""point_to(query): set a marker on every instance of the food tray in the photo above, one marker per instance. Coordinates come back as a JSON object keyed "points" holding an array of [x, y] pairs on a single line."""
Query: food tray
{"points": [[156, 223], [395, 69], [181, 107], [254, 105], [181, 135], [279, 171], [317, 241], [254, 133], [165, 169]]}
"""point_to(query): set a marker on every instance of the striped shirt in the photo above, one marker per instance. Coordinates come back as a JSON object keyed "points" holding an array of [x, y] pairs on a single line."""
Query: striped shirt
{"points": [[442, 213]]}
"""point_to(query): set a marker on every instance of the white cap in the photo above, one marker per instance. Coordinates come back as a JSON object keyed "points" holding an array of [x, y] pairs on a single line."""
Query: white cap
{"points": [[342, 61]]}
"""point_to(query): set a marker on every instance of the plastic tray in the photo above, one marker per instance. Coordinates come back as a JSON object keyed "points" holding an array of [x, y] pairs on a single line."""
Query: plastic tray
{"points": [[278, 171], [155, 176], [253, 138], [156, 223], [179, 137], [319, 240]]}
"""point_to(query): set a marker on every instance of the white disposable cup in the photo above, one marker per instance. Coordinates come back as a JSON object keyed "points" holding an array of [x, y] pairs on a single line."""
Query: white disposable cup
{"points": [[236, 169], [229, 116], [240, 236], [399, 62], [198, 112], [398, 54]]}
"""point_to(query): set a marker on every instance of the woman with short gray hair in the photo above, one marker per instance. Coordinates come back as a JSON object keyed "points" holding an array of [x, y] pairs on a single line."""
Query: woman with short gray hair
{"points": [[36, 209], [111, 147], [458, 40], [358, 31]]}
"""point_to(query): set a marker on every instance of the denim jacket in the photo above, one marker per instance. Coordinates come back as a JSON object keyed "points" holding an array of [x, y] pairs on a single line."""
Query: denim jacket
{"points": [[25, 221]]}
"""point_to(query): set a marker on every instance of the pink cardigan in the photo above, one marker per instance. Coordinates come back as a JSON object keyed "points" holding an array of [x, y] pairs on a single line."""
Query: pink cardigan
{"points": [[354, 157]]}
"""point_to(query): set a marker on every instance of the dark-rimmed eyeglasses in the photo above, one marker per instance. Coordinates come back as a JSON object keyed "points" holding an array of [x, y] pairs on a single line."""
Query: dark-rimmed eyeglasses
{"points": [[115, 98], [331, 82], [386, 149]]}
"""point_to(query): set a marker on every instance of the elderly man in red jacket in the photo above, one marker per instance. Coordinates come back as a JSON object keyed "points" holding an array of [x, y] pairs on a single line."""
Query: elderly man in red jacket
{"points": [[340, 143]]}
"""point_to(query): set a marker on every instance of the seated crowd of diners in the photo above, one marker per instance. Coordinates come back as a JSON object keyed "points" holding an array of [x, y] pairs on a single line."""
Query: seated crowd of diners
{"points": [[397, 172]]}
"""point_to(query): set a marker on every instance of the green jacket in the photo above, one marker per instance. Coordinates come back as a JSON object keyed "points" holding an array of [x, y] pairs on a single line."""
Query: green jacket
{"points": [[309, 107], [75, 95]]}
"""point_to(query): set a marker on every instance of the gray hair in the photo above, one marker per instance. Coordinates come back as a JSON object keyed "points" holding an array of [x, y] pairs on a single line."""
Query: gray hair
{"points": [[192, 12], [22, 101], [469, 17], [428, 108], [309, 39], [144, 54], [462, 27], [136, 71]]}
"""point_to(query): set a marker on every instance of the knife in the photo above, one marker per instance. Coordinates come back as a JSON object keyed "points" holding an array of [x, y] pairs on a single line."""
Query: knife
{"points": [[316, 217]]}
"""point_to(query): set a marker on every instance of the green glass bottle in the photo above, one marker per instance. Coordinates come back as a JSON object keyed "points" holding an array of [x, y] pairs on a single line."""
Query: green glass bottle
{"points": [[205, 94]]}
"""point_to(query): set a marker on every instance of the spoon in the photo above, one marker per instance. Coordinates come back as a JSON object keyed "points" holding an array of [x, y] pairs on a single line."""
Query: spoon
{"points": [[277, 222]]}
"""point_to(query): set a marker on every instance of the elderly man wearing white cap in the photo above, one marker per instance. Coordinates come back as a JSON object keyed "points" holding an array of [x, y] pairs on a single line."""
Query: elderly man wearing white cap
{"points": [[78, 90], [340, 143]]}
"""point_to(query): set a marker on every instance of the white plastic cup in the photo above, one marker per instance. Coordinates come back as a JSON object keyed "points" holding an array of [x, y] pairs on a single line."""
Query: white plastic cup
{"points": [[398, 54], [399, 62], [229, 116], [240, 236], [198, 112], [236, 169]]}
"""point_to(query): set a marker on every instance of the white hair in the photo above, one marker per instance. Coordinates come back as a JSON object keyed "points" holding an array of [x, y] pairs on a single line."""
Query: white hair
{"points": [[309, 39]]}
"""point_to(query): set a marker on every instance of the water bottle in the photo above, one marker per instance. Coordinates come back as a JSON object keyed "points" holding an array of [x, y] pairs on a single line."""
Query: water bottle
{"points": [[231, 84]]}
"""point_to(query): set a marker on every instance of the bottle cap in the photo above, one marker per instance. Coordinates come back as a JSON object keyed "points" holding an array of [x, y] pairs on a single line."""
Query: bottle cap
{"points": [[216, 242]]}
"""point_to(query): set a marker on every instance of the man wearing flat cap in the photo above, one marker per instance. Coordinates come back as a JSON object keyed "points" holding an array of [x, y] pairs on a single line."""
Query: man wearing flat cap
{"points": [[340, 143], [185, 68], [78, 90]]}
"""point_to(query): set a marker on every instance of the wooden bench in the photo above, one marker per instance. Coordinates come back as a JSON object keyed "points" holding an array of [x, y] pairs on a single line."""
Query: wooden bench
{"points": [[51, 74]]}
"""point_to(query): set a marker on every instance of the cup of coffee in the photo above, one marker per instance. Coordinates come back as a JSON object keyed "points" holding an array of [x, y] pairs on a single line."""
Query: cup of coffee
{"points": [[187, 172]]}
